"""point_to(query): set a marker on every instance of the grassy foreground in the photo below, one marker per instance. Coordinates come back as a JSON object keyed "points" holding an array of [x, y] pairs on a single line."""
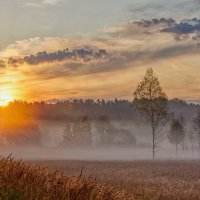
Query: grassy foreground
{"points": [[22, 181], [145, 180]]}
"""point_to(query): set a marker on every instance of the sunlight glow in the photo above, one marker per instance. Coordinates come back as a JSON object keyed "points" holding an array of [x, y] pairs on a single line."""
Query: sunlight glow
{"points": [[5, 98]]}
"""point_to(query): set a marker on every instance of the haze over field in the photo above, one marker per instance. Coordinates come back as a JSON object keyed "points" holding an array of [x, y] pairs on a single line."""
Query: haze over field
{"points": [[89, 130]]}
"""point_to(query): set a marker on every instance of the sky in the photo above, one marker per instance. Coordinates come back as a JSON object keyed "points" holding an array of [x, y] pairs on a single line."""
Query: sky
{"points": [[98, 49]]}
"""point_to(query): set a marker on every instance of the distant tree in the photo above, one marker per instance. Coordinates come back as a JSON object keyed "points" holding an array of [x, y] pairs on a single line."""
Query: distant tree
{"points": [[152, 102], [196, 126], [105, 130], [192, 139], [82, 131], [176, 134], [79, 132], [183, 123], [124, 137], [109, 134], [69, 137]]}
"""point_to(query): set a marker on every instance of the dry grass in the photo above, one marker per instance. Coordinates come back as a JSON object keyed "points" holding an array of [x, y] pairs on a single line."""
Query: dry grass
{"points": [[22, 181], [143, 180], [146, 180]]}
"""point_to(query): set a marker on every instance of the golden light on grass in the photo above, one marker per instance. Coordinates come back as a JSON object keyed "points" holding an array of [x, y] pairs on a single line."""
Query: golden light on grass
{"points": [[20, 180], [5, 98]]}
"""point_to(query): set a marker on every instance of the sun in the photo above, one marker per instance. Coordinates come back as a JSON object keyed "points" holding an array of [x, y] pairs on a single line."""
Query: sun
{"points": [[5, 98]]}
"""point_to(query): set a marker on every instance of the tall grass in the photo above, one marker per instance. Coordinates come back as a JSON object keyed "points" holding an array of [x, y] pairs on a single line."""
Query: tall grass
{"points": [[22, 181], [145, 180]]}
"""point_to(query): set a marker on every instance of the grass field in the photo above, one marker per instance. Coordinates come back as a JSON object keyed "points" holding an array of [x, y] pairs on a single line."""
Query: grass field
{"points": [[144, 180], [95, 180], [22, 181]]}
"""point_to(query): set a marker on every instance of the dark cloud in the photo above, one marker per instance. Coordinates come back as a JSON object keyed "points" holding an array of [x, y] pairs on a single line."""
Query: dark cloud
{"points": [[149, 23], [181, 31], [82, 55], [184, 27], [85, 61], [119, 62], [138, 28]]}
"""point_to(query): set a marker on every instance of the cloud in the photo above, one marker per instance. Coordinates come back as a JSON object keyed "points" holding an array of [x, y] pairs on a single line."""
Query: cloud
{"points": [[180, 30], [33, 5], [160, 8], [196, 37], [30, 46], [154, 22], [51, 2], [41, 57], [42, 3], [42, 66], [184, 27], [94, 56], [81, 55], [119, 62], [140, 28], [197, 1]]}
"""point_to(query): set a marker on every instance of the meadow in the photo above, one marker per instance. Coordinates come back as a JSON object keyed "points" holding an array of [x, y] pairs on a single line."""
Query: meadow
{"points": [[143, 180], [99, 180], [22, 181]]}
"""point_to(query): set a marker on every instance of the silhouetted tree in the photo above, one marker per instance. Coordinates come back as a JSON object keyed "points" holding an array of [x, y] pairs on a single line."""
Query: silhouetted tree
{"points": [[176, 134], [152, 102]]}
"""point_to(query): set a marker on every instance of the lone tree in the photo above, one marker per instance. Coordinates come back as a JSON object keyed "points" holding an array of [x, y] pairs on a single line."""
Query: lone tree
{"points": [[152, 102], [176, 135]]}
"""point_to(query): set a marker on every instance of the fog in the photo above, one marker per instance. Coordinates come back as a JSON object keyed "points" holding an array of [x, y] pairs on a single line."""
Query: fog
{"points": [[95, 154], [88, 130], [52, 145]]}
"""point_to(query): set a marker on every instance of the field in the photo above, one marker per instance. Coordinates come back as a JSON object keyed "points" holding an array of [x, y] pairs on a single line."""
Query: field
{"points": [[99, 180], [22, 181], [144, 180]]}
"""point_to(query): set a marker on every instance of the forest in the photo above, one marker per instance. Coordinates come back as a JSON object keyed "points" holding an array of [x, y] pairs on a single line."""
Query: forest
{"points": [[92, 123]]}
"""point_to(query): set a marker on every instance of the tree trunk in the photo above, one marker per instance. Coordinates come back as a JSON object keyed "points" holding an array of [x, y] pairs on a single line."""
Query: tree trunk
{"points": [[199, 148], [199, 142], [153, 132], [192, 150], [176, 149]]}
